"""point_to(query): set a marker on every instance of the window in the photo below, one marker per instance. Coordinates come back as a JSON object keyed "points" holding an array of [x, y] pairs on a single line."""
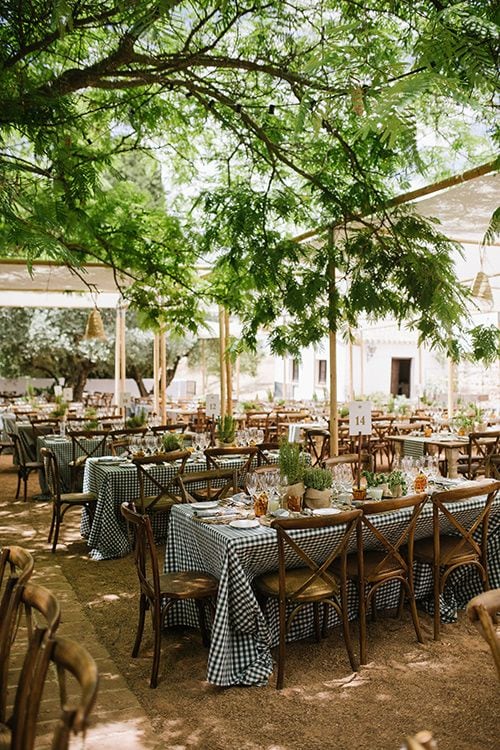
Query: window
{"points": [[321, 371], [295, 370]]}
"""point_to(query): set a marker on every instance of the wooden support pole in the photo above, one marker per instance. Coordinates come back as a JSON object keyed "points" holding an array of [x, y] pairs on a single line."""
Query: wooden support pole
{"points": [[362, 355], [163, 379], [229, 368], [351, 369], [222, 348], [156, 374], [332, 338], [451, 387]]}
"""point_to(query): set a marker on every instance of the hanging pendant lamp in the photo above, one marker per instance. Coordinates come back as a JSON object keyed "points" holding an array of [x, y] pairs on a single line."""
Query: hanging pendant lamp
{"points": [[95, 327], [481, 291]]}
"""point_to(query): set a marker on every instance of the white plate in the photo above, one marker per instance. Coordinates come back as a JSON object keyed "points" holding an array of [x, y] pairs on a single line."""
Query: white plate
{"points": [[245, 523], [205, 505], [325, 511]]}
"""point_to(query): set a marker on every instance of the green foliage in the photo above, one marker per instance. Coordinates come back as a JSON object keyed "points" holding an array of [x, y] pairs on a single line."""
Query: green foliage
{"points": [[396, 478], [61, 408], [292, 462], [140, 419], [226, 428], [374, 479], [171, 441], [318, 479]]}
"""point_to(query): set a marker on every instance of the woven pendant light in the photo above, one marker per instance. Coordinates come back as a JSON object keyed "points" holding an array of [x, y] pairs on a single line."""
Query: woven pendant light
{"points": [[481, 291], [95, 327]]}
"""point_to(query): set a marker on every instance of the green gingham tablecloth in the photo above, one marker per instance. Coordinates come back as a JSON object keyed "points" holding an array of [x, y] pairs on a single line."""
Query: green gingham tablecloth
{"points": [[62, 448], [116, 483], [241, 635]]}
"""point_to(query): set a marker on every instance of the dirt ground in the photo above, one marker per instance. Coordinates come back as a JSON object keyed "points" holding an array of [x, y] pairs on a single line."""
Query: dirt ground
{"points": [[449, 686]]}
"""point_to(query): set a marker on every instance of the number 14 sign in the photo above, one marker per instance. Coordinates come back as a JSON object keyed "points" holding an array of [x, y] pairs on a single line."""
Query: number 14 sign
{"points": [[360, 418]]}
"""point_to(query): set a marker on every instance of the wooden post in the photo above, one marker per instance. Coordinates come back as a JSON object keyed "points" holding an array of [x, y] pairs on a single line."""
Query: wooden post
{"points": [[222, 348], [362, 355], [229, 369], [334, 424], [451, 386], [120, 357], [123, 355], [351, 369], [163, 380], [156, 374], [203, 367]]}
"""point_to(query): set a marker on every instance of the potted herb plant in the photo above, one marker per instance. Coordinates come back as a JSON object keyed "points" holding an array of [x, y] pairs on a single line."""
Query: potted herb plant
{"points": [[225, 430], [376, 484], [396, 482], [171, 441], [318, 484], [137, 420], [292, 465]]}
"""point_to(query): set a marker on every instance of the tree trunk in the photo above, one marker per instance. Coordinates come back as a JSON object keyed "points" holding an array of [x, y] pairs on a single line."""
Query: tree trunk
{"points": [[134, 373], [78, 378]]}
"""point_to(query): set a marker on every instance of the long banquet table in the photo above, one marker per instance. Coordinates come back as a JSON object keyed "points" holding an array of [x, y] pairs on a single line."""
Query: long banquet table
{"points": [[115, 481], [242, 637]]}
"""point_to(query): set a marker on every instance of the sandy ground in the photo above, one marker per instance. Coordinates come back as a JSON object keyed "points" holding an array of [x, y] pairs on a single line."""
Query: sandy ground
{"points": [[449, 686]]}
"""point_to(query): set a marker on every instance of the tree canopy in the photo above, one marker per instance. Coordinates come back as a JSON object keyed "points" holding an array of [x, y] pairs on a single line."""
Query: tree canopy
{"points": [[267, 117]]}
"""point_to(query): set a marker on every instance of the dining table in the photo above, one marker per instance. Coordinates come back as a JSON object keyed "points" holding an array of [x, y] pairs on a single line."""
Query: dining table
{"points": [[114, 480], [415, 445], [242, 634]]}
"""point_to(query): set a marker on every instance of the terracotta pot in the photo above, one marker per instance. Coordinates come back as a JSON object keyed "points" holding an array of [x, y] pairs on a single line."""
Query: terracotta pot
{"points": [[359, 493], [317, 498]]}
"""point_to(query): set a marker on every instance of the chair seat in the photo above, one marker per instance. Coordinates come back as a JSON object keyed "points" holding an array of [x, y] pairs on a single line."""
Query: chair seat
{"points": [[164, 503], [188, 585], [78, 497], [389, 567], [268, 584], [33, 465], [424, 550]]}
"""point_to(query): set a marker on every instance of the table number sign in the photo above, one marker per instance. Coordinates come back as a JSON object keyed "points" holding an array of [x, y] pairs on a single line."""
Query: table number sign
{"points": [[360, 418], [67, 394], [212, 408], [58, 390]]}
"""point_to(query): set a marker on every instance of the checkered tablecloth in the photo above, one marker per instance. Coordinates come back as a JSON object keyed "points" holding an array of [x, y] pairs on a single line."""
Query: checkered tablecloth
{"points": [[64, 454], [116, 484], [241, 635]]}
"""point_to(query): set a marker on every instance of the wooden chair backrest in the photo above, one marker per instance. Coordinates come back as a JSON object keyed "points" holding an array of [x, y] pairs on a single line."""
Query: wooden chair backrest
{"points": [[20, 564], [481, 446], [145, 557], [493, 466], [352, 459], [20, 457], [464, 530], [162, 428], [287, 542], [43, 615], [406, 534], [68, 657], [147, 475], [484, 611], [215, 455], [217, 483], [81, 449], [52, 476]]}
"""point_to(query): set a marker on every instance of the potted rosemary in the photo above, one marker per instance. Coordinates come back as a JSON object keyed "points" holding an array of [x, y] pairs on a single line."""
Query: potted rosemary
{"points": [[225, 430], [318, 484]]}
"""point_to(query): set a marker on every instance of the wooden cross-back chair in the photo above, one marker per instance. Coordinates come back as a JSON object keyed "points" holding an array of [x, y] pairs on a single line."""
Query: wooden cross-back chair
{"points": [[446, 552], [484, 611], [263, 451], [352, 459], [157, 490], [24, 466], [81, 450], [318, 445], [68, 657], [160, 592], [120, 439], [19, 563], [481, 446], [315, 582], [43, 614], [215, 458], [213, 484], [62, 501], [381, 448], [391, 561]]}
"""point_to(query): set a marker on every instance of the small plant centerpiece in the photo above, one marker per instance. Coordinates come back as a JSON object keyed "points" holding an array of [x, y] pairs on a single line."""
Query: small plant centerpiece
{"points": [[376, 484], [225, 429], [463, 422], [171, 441], [292, 465], [137, 420], [318, 484], [60, 409], [91, 421], [396, 481]]}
